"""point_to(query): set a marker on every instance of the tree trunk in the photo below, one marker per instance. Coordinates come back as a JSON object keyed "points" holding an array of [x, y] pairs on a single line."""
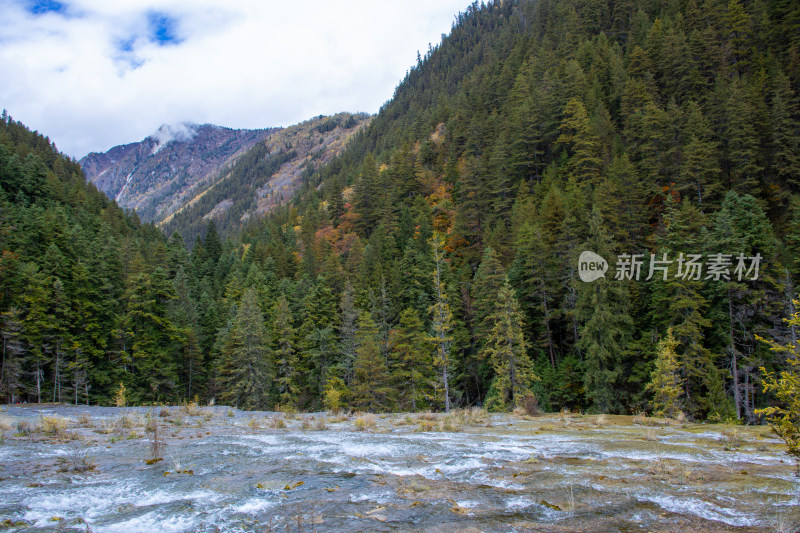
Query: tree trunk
{"points": [[734, 367], [549, 333]]}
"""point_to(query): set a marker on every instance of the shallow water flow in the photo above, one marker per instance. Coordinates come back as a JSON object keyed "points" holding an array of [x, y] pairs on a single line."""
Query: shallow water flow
{"points": [[227, 470]]}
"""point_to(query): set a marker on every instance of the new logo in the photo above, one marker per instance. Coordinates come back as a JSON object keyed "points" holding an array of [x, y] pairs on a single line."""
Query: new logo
{"points": [[591, 266]]}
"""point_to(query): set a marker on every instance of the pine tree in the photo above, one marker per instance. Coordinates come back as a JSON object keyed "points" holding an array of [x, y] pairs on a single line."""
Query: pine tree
{"points": [[153, 335], [744, 164], [284, 354], [348, 343], [11, 367], [741, 226], [665, 384], [412, 370], [582, 141], [785, 417], [486, 283], [785, 133], [371, 388], [441, 319], [605, 331], [700, 170], [678, 302], [244, 371], [507, 350]]}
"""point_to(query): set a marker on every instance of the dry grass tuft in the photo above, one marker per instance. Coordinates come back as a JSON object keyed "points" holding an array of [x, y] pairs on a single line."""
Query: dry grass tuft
{"points": [[367, 421], [731, 440], [6, 422], [192, 409], [24, 428], [277, 422], [77, 463], [651, 435]]}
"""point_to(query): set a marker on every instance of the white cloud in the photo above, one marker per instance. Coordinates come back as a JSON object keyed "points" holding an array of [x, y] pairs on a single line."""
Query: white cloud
{"points": [[96, 74]]}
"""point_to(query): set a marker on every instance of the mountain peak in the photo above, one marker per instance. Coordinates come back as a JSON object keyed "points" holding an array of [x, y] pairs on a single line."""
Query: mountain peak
{"points": [[167, 133]]}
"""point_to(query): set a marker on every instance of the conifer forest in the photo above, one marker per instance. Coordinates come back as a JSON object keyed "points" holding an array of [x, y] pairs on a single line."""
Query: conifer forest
{"points": [[437, 262]]}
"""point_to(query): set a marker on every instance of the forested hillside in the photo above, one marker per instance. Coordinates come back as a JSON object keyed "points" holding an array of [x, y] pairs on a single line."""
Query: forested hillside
{"points": [[435, 263], [69, 276]]}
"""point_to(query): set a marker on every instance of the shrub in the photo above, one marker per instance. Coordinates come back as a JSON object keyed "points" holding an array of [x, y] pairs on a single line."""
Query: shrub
{"points": [[192, 408], [334, 394], [54, 425], [23, 428], [530, 404], [76, 463], [121, 396]]}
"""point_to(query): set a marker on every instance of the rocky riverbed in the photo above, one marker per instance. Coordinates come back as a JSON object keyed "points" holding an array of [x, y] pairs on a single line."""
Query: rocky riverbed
{"points": [[96, 469]]}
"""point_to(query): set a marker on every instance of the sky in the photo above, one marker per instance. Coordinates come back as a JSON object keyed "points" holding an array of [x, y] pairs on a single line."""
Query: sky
{"points": [[93, 74]]}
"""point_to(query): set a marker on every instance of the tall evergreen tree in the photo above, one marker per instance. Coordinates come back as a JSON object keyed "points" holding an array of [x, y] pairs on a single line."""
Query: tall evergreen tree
{"points": [[605, 329], [412, 370], [666, 383], [441, 320], [244, 371], [507, 350]]}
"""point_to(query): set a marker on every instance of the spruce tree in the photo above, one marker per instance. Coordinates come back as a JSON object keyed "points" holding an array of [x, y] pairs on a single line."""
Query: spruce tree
{"points": [[412, 370], [507, 351], [371, 388], [605, 327], [665, 384], [441, 319], [244, 373], [579, 136], [284, 354]]}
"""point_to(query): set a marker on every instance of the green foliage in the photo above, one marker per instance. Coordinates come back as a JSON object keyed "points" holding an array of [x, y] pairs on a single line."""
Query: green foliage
{"points": [[785, 416], [244, 371], [534, 131], [413, 375], [507, 351], [665, 384]]}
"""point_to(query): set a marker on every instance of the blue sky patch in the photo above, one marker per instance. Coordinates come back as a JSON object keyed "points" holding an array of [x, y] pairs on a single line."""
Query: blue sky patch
{"points": [[162, 28], [40, 7]]}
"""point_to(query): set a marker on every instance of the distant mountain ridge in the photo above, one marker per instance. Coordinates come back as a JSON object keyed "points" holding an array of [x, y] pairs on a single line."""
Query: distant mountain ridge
{"points": [[185, 174], [154, 176]]}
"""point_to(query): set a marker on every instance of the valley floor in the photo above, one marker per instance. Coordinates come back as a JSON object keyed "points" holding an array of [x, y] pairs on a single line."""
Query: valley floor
{"points": [[86, 468]]}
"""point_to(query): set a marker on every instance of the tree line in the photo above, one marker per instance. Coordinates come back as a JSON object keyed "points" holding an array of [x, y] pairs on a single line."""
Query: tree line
{"points": [[434, 263]]}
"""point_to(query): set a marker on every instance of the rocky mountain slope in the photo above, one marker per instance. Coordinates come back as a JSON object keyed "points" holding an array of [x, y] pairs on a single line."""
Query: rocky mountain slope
{"points": [[185, 174], [156, 175], [265, 176]]}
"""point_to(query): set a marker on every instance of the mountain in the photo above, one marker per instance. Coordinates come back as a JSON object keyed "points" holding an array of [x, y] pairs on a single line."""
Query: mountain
{"points": [[155, 176], [185, 174], [435, 262], [263, 177], [534, 131]]}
